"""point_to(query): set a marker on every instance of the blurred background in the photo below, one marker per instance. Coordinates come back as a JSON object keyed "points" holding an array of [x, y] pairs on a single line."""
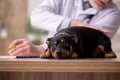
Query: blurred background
{"points": [[15, 23]]}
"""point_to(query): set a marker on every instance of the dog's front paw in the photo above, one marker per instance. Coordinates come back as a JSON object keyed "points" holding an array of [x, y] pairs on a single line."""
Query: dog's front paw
{"points": [[110, 55], [43, 56], [74, 55], [47, 54]]}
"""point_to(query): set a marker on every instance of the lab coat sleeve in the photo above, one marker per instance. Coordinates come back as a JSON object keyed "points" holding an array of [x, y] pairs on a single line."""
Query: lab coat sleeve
{"points": [[109, 22], [47, 16]]}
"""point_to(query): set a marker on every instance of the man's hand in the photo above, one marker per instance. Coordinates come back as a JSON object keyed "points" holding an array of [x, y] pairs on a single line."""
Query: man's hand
{"points": [[78, 23], [22, 47]]}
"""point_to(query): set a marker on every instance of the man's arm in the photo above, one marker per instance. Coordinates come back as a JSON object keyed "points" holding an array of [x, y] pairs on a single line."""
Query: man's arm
{"points": [[79, 23], [110, 22], [46, 16]]}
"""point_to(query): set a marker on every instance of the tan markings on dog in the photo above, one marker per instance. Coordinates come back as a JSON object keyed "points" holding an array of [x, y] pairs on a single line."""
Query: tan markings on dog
{"points": [[110, 55], [100, 49], [74, 55], [53, 53], [55, 42], [62, 33], [46, 54], [75, 38], [62, 41], [47, 42], [64, 53], [67, 52], [71, 51]]}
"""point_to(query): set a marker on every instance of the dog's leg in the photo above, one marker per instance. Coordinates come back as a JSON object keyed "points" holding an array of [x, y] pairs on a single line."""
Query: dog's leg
{"points": [[47, 54], [98, 52], [74, 55], [104, 51], [108, 50], [110, 55]]}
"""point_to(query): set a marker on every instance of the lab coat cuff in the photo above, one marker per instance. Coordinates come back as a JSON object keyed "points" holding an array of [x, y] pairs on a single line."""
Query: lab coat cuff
{"points": [[45, 46]]}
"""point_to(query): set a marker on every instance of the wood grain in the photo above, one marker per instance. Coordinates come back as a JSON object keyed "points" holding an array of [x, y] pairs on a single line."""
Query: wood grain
{"points": [[58, 76], [51, 69], [51, 65]]}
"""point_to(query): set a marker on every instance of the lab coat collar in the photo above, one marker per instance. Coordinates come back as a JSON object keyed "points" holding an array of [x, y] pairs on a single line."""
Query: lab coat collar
{"points": [[85, 0], [91, 10]]}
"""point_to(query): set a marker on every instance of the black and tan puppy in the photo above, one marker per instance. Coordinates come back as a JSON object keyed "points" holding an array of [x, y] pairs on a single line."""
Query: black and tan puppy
{"points": [[78, 42]]}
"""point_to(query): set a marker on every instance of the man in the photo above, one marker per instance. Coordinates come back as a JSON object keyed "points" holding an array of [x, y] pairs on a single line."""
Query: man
{"points": [[54, 15]]}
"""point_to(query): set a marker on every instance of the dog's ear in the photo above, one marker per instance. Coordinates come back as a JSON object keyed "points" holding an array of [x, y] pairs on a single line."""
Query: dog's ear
{"points": [[48, 41], [75, 38]]}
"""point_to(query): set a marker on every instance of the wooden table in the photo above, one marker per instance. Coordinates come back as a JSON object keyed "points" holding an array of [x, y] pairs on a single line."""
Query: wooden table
{"points": [[50, 69]]}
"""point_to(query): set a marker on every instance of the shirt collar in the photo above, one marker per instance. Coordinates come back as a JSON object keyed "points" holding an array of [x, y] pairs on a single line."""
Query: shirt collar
{"points": [[91, 10], [85, 0]]}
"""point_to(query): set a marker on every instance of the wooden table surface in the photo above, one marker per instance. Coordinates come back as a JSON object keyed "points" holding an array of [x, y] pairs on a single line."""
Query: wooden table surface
{"points": [[53, 65]]}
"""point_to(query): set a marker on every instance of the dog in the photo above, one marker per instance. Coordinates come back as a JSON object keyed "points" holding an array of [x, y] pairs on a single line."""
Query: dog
{"points": [[79, 42]]}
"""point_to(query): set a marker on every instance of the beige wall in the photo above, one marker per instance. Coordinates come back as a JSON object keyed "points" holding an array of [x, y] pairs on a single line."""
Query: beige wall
{"points": [[13, 13], [116, 39], [32, 4]]}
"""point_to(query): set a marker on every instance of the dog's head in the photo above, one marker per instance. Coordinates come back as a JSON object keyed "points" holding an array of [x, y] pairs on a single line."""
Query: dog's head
{"points": [[61, 46]]}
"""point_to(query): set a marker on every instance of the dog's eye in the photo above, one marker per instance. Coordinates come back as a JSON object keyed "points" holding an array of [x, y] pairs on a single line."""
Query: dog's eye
{"points": [[67, 44], [54, 46]]}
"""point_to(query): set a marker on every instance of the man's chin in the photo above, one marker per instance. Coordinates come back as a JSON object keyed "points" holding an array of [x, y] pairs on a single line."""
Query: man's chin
{"points": [[98, 7], [94, 5]]}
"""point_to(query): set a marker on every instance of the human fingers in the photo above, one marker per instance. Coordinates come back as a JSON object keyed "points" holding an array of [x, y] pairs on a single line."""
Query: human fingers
{"points": [[16, 42], [103, 30], [98, 28], [22, 54], [13, 49], [27, 50], [19, 51]]}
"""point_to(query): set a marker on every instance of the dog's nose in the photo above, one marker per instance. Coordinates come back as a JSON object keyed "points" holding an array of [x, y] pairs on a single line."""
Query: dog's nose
{"points": [[58, 51]]}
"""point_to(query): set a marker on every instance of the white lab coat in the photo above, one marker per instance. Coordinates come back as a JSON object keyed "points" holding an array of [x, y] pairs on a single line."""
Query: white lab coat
{"points": [[54, 15]]}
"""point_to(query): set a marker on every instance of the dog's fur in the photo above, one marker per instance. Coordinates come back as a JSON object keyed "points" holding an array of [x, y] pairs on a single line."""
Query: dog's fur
{"points": [[79, 42]]}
